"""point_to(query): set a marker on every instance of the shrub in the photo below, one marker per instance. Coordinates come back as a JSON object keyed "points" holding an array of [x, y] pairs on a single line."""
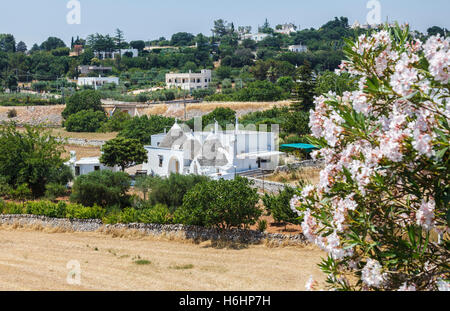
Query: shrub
{"points": [[223, 204], [171, 191], [12, 113], [55, 190], [159, 214], [383, 197], [279, 206], [142, 128], [115, 123], [262, 225], [103, 188], [83, 100], [88, 121]]}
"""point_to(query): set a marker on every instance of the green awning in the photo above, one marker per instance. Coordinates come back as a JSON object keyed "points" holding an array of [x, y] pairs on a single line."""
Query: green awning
{"points": [[306, 147]]}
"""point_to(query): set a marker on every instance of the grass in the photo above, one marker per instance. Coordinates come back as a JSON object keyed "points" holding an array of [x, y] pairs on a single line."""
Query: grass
{"points": [[310, 175], [142, 262], [184, 267]]}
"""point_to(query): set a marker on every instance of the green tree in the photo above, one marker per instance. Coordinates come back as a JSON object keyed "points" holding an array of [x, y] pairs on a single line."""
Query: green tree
{"points": [[87, 121], [83, 100], [304, 89], [7, 43], [279, 206], [142, 128], [104, 188], [30, 156], [52, 43], [220, 203], [21, 47], [123, 152]]}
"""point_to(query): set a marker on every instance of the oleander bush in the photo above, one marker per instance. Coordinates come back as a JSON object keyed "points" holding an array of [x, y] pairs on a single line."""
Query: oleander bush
{"points": [[381, 208]]}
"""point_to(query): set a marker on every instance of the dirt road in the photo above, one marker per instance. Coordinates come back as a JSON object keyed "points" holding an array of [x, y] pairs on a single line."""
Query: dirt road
{"points": [[37, 260]]}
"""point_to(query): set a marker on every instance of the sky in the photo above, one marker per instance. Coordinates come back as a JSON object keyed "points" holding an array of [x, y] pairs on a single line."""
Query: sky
{"points": [[32, 21]]}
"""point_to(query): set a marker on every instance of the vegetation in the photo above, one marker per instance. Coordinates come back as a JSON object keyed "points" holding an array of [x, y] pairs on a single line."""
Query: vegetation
{"points": [[31, 157], [85, 121], [123, 152], [103, 188], [279, 206], [224, 204], [141, 128]]}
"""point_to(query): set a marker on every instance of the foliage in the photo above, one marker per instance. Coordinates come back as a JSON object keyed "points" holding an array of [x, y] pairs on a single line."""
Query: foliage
{"points": [[104, 188], [279, 206], [169, 191], [220, 203], [55, 190], [89, 121], [383, 197], [115, 123], [123, 152], [83, 100], [142, 128], [29, 157]]}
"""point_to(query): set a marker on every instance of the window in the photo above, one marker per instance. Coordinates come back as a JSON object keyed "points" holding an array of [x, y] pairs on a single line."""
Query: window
{"points": [[161, 160], [77, 171], [97, 168]]}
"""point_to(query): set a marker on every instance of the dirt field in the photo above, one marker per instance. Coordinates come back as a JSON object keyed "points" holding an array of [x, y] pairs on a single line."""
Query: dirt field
{"points": [[33, 259]]}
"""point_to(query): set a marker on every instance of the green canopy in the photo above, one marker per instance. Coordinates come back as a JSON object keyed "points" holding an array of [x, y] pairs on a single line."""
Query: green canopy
{"points": [[306, 147]]}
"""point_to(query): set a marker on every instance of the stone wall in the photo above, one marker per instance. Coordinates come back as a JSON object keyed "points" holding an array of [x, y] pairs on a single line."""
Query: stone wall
{"points": [[187, 232], [85, 142], [295, 166], [268, 186]]}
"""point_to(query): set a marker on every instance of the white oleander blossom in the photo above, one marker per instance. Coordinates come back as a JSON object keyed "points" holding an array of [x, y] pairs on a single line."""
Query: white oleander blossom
{"points": [[425, 214], [311, 284], [372, 274], [443, 286], [407, 288], [384, 148]]}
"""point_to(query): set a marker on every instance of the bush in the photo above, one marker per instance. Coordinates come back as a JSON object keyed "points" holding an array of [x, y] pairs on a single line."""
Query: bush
{"points": [[279, 206], [115, 123], [223, 204], [381, 209], [55, 190], [171, 191], [103, 188], [88, 121], [83, 100], [159, 214], [12, 113]]}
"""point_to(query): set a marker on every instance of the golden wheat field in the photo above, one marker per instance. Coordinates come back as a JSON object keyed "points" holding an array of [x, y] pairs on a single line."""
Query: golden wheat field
{"points": [[36, 259]]}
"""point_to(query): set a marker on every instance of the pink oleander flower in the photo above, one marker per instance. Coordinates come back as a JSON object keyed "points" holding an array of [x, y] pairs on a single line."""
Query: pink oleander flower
{"points": [[311, 284], [425, 214], [407, 288], [372, 274]]}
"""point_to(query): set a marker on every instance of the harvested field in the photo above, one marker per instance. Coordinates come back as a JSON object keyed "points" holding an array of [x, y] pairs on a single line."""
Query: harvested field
{"points": [[200, 109], [82, 151], [309, 174], [36, 259], [49, 115]]}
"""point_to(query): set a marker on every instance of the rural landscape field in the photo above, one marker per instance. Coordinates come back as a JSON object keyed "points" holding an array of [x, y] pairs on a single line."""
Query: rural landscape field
{"points": [[179, 147]]}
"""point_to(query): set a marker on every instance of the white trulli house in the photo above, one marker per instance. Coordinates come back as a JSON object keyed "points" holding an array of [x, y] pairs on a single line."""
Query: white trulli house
{"points": [[215, 153]]}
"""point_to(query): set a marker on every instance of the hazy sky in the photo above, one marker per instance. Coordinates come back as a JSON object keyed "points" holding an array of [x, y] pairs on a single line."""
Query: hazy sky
{"points": [[33, 21]]}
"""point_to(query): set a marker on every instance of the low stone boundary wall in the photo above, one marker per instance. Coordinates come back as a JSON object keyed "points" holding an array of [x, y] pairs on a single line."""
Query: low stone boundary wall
{"points": [[188, 232], [84, 142], [268, 186], [307, 163]]}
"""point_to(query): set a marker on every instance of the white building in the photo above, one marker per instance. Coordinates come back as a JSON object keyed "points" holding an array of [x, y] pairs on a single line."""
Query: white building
{"points": [[189, 81], [85, 166], [255, 37], [214, 153], [97, 82], [298, 48], [122, 52], [287, 29]]}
